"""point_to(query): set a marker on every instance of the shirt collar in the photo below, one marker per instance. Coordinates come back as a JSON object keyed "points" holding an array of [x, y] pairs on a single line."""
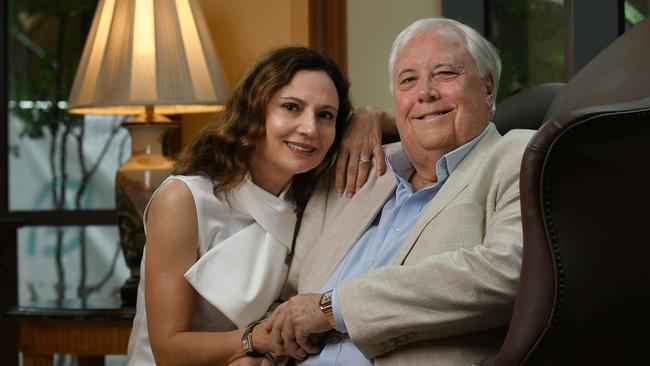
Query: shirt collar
{"points": [[402, 168]]}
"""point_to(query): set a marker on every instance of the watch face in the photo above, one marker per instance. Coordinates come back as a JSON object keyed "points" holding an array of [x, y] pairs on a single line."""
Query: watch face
{"points": [[246, 345], [326, 298]]}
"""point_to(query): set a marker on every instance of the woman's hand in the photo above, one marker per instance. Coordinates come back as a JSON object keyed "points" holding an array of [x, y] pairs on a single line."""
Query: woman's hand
{"points": [[361, 143]]}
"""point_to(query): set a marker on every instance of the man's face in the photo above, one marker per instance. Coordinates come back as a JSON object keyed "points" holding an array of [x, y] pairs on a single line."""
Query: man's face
{"points": [[441, 102]]}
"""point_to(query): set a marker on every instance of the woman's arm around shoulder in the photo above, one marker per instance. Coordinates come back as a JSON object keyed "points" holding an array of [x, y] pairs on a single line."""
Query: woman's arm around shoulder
{"points": [[360, 145]]}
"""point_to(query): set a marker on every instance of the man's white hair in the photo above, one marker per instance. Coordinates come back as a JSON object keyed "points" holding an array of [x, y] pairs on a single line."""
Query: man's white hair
{"points": [[483, 52]]}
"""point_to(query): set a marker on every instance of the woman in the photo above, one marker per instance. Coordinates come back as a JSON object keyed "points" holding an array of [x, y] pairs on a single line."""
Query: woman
{"points": [[220, 229]]}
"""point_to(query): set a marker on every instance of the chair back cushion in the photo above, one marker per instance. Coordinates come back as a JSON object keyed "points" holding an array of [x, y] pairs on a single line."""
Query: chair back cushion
{"points": [[585, 284], [526, 109]]}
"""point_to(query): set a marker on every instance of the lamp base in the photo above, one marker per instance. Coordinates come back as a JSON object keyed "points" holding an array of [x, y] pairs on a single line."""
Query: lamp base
{"points": [[135, 183]]}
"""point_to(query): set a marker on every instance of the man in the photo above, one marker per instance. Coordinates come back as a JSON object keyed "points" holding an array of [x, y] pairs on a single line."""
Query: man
{"points": [[422, 265]]}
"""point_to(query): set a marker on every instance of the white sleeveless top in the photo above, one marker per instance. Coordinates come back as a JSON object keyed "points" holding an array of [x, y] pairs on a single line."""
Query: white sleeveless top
{"points": [[241, 267]]}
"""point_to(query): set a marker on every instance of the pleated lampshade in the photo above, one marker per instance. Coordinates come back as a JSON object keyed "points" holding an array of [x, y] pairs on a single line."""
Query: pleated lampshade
{"points": [[148, 53]]}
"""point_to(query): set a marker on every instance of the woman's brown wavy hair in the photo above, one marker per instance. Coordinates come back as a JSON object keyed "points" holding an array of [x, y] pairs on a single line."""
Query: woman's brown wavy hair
{"points": [[223, 148]]}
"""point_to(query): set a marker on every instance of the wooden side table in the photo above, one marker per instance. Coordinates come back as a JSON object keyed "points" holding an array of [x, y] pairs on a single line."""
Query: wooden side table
{"points": [[90, 331]]}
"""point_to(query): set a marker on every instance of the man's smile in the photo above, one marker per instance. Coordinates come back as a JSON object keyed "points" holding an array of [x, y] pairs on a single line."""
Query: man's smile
{"points": [[432, 114]]}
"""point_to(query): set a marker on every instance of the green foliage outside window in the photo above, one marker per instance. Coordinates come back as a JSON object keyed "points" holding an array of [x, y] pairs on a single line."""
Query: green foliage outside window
{"points": [[529, 35]]}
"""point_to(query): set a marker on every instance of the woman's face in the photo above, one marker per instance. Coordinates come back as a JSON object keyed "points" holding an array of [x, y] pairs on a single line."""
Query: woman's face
{"points": [[300, 128]]}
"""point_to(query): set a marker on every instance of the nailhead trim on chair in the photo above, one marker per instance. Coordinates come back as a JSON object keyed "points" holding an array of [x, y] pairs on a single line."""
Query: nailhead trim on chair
{"points": [[557, 257]]}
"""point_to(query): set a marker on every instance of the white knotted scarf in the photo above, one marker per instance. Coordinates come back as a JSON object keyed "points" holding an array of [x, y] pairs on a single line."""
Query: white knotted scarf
{"points": [[243, 275]]}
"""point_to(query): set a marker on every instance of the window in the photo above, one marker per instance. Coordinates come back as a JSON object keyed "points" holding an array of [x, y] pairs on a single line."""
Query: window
{"points": [[60, 167], [88, 263], [529, 36], [546, 40], [57, 161], [635, 11]]}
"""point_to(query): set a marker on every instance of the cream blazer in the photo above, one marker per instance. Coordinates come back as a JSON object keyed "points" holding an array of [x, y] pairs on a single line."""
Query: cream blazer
{"points": [[451, 289]]}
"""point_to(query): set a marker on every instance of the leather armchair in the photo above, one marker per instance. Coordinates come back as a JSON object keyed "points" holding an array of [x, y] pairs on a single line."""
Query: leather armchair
{"points": [[585, 283], [526, 109], [584, 295]]}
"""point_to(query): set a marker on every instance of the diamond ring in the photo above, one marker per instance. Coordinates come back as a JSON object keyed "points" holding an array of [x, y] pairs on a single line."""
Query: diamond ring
{"points": [[364, 159]]}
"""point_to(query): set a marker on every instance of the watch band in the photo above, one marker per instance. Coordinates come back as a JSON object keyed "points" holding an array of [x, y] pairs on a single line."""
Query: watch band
{"points": [[326, 307], [247, 341]]}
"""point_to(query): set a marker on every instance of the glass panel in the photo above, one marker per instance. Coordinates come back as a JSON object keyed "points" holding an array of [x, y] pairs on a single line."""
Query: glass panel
{"points": [[635, 12], [69, 263], [57, 160], [85, 179], [530, 37]]}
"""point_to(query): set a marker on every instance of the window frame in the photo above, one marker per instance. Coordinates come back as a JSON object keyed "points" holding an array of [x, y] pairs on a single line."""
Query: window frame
{"points": [[590, 26], [32, 217]]}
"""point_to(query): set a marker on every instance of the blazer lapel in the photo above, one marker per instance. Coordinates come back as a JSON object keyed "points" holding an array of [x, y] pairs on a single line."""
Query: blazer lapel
{"points": [[455, 184], [344, 231]]}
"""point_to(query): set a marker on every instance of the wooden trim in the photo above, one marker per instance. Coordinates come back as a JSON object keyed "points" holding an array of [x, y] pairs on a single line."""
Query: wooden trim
{"points": [[8, 295], [70, 336], [328, 30], [4, 126], [569, 40], [8, 240], [60, 217], [589, 27]]}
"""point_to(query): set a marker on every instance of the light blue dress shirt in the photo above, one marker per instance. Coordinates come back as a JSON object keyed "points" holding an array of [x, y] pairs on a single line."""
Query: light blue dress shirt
{"points": [[379, 245]]}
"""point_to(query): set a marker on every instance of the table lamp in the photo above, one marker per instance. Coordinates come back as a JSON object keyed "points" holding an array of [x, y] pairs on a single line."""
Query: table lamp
{"points": [[147, 58]]}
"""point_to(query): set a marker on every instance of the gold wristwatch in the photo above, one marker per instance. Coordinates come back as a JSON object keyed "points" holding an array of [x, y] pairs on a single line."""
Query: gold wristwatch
{"points": [[326, 307]]}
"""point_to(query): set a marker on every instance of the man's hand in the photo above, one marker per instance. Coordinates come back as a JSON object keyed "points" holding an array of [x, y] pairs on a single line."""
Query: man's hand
{"points": [[362, 138], [296, 326]]}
